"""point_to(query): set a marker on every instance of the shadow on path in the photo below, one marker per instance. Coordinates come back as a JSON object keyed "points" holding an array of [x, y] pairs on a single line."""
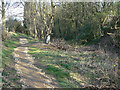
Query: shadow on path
{"points": [[31, 76]]}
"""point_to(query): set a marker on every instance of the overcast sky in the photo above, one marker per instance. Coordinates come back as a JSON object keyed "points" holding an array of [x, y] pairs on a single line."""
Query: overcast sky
{"points": [[16, 12]]}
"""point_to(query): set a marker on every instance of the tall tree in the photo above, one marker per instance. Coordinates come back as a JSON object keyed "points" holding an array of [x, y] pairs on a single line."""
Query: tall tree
{"points": [[3, 21]]}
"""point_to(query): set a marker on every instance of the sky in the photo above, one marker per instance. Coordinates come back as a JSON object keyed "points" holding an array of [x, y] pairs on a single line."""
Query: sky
{"points": [[17, 12]]}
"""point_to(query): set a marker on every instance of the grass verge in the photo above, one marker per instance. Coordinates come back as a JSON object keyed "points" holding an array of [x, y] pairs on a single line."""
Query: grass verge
{"points": [[10, 77], [76, 69]]}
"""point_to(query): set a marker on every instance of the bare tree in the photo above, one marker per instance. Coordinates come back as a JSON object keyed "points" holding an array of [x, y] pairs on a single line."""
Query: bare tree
{"points": [[3, 21]]}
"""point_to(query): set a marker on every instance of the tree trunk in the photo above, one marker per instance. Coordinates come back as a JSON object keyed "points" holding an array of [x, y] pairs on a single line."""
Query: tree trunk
{"points": [[4, 32], [35, 29]]}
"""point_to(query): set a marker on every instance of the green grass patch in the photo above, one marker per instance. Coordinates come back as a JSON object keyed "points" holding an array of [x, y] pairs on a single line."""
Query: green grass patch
{"points": [[61, 76], [7, 57], [64, 64], [11, 44], [8, 60], [57, 72], [51, 59], [29, 37]]}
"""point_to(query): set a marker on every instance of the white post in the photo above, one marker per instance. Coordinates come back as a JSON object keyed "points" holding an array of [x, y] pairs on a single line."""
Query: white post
{"points": [[48, 39]]}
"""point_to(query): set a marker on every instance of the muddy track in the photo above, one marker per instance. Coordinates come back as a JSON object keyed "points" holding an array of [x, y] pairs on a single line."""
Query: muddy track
{"points": [[31, 76]]}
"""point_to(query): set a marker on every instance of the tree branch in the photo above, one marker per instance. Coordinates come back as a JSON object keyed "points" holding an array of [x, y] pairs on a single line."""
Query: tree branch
{"points": [[22, 2]]}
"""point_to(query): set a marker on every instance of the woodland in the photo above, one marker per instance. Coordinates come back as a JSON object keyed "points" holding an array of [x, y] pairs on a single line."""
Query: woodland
{"points": [[61, 45]]}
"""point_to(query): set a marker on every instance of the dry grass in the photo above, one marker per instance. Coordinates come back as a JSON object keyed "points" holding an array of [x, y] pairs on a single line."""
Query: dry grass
{"points": [[85, 67]]}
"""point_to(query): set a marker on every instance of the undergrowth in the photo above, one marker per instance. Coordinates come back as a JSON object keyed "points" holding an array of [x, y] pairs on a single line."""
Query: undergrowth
{"points": [[76, 69]]}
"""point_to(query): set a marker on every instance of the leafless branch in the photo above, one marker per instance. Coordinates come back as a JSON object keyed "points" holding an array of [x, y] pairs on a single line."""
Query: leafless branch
{"points": [[22, 2], [16, 4], [7, 5]]}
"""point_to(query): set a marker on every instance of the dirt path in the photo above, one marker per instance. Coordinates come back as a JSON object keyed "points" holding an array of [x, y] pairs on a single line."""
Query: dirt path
{"points": [[31, 76]]}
